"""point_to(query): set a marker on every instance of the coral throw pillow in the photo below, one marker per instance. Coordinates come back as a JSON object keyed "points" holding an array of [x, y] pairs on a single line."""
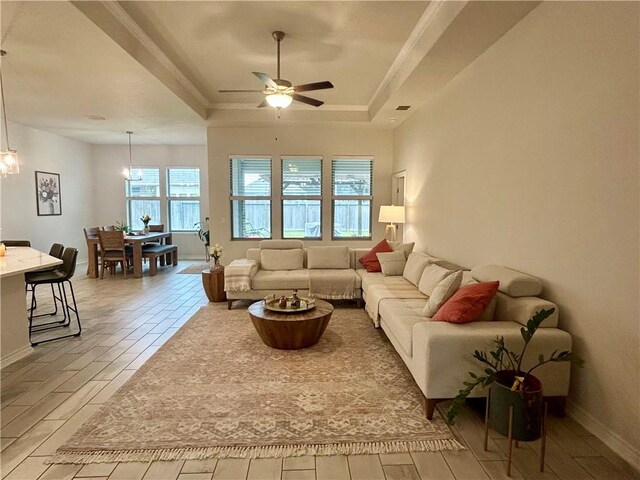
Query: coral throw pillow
{"points": [[370, 260], [468, 303]]}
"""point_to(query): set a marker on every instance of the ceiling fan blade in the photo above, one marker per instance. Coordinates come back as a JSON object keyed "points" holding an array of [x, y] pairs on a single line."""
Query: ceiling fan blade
{"points": [[307, 87], [239, 91], [263, 104], [266, 79], [308, 100]]}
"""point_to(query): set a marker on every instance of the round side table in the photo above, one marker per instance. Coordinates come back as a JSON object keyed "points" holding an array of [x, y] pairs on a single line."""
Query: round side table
{"points": [[213, 284]]}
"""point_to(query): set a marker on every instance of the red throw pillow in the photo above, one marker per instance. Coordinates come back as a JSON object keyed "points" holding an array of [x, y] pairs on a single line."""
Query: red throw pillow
{"points": [[467, 304], [370, 260]]}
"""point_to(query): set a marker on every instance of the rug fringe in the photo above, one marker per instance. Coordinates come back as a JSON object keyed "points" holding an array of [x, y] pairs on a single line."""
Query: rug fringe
{"points": [[269, 451]]}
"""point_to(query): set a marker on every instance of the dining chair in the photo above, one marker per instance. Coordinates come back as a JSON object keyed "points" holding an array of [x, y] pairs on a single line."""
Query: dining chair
{"points": [[16, 243], [91, 233], [109, 228], [60, 277], [114, 250], [154, 243]]}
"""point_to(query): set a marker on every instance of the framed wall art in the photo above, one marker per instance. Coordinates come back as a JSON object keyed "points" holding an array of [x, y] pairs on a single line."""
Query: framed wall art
{"points": [[48, 196]]}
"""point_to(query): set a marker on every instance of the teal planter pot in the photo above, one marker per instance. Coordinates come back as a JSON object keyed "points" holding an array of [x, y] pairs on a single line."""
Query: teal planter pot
{"points": [[528, 407]]}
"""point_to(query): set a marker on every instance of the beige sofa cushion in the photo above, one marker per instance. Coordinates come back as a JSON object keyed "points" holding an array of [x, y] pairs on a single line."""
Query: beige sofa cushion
{"points": [[415, 266], [281, 259], [443, 292], [392, 263], [280, 280], [371, 279], [513, 283], [328, 257], [280, 244], [431, 277], [400, 316]]}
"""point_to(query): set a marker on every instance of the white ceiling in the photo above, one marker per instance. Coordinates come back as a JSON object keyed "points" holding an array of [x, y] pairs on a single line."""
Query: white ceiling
{"points": [[156, 67]]}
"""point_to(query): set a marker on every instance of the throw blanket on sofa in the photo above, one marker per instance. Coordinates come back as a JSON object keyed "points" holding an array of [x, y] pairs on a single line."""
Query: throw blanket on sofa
{"points": [[377, 293], [332, 284], [237, 275]]}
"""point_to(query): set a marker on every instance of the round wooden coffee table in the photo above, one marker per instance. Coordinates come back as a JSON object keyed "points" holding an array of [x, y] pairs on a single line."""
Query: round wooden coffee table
{"points": [[290, 331]]}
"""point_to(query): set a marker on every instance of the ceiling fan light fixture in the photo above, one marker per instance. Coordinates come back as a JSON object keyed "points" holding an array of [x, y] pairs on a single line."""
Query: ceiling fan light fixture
{"points": [[279, 100]]}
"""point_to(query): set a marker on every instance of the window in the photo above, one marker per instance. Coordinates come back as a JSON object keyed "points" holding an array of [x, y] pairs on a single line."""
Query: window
{"points": [[250, 197], [351, 182], [143, 197], [183, 198], [302, 197]]}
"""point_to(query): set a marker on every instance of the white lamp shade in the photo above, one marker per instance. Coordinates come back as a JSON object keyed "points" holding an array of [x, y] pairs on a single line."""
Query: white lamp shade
{"points": [[391, 214], [279, 100]]}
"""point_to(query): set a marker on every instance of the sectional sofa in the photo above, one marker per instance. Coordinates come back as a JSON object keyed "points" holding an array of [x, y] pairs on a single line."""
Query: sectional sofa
{"points": [[438, 354]]}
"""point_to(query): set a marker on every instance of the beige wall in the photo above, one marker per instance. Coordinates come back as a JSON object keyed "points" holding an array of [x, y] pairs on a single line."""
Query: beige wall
{"points": [[110, 205], [45, 151], [326, 141], [529, 158]]}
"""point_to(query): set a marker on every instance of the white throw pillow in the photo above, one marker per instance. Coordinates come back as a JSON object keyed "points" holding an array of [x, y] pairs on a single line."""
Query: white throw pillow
{"points": [[431, 277], [407, 248], [392, 263], [281, 259], [328, 257], [443, 292], [414, 267]]}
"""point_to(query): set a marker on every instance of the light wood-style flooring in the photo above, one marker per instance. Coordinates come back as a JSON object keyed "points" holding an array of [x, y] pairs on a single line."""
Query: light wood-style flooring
{"points": [[47, 396]]}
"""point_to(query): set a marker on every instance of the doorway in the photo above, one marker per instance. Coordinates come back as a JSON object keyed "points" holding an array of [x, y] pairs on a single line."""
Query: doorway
{"points": [[398, 196]]}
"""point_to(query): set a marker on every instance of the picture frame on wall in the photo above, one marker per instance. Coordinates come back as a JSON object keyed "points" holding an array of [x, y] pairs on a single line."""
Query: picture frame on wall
{"points": [[48, 194]]}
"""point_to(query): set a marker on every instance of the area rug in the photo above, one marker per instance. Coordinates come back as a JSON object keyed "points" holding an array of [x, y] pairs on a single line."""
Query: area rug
{"points": [[214, 390], [196, 268]]}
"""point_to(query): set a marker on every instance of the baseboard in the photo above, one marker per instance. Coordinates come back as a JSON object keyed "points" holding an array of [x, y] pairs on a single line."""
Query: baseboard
{"points": [[15, 356], [616, 443]]}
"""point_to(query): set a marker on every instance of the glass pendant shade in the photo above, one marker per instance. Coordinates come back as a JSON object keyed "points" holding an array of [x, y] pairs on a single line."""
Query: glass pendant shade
{"points": [[10, 162], [279, 100]]}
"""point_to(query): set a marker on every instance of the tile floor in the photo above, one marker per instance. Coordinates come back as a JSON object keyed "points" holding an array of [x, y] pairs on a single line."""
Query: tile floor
{"points": [[48, 395]]}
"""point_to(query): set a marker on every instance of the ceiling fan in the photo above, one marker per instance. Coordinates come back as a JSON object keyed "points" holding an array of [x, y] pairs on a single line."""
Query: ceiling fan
{"points": [[279, 93]]}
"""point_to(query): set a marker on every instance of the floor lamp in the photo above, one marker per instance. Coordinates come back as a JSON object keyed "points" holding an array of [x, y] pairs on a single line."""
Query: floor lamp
{"points": [[391, 214]]}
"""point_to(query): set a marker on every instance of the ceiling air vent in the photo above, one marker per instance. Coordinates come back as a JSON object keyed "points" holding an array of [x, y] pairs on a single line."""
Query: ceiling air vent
{"points": [[403, 107]]}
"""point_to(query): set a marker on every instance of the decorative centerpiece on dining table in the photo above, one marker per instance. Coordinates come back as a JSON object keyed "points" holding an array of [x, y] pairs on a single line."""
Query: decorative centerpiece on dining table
{"points": [[146, 219], [215, 251]]}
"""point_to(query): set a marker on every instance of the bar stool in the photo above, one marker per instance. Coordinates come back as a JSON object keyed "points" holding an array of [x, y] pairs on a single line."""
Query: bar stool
{"points": [[55, 251], [60, 276]]}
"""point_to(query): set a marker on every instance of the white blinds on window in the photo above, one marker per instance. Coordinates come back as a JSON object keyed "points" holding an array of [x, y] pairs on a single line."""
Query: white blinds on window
{"points": [[352, 176], [250, 177], [301, 177]]}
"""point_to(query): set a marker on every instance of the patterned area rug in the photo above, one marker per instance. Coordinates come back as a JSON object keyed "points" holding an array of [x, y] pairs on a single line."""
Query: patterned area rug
{"points": [[215, 390], [196, 268]]}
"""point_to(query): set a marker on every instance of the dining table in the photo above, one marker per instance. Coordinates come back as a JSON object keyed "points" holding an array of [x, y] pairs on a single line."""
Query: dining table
{"points": [[14, 325], [135, 241]]}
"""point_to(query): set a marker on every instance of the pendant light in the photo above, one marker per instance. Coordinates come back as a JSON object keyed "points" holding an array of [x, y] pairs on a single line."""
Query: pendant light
{"points": [[128, 172], [9, 163]]}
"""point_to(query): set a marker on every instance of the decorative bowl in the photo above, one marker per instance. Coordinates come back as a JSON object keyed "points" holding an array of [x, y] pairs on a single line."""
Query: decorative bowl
{"points": [[271, 302]]}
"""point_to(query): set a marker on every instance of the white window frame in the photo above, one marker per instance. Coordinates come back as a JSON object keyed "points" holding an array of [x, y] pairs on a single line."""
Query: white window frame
{"points": [[335, 197], [284, 197], [129, 198], [233, 197], [170, 198]]}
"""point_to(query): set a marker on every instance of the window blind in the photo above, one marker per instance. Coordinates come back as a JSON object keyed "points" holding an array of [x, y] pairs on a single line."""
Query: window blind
{"points": [[250, 177], [352, 176], [301, 177]]}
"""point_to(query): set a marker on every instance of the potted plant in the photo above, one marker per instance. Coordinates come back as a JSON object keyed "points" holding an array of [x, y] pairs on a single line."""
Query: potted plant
{"points": [[511, 385], [202, 230], [126, 229], [216, 252], [145, 220]]}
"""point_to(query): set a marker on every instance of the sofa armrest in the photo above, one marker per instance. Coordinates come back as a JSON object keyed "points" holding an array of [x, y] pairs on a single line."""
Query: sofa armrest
{"points": [[356, 255], [443, 354]]}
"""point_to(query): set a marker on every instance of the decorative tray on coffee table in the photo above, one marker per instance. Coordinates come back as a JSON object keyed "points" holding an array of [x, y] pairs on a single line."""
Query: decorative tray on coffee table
{"points": [[272, 302]]}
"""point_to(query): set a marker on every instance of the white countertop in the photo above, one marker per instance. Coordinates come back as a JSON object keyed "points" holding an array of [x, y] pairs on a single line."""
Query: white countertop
{"points": [[25, 259]]}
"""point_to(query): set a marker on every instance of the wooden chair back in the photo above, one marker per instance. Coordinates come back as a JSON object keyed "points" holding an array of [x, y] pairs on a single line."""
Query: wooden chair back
{"points": [[91, 232], [109, 228], [156, 228], [111, 240]]}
